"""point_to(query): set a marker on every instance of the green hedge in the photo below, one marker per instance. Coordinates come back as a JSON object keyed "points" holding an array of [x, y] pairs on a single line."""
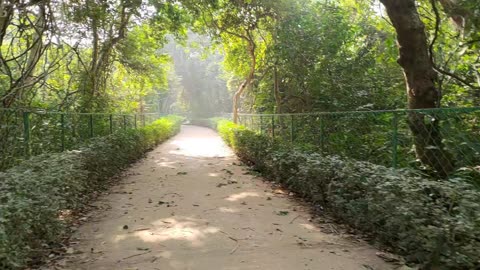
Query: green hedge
{"points": [[433, 223], [34, 194]]}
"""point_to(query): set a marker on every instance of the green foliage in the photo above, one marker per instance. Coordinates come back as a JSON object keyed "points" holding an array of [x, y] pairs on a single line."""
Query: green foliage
{"points": [[432, 223], [36, 195], [227, 131]]}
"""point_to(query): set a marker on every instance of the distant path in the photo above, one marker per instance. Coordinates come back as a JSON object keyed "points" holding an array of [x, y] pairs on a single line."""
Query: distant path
{"points": [[188, 205]]}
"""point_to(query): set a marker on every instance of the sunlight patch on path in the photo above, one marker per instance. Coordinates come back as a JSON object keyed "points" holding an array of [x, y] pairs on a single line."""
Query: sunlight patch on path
{"points": [[178, 229], [200, 144], [242, 195]]}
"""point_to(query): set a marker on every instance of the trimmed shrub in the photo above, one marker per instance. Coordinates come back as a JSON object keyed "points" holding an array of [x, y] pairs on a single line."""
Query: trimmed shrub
{"points": [[34, 194], [433, 223]]}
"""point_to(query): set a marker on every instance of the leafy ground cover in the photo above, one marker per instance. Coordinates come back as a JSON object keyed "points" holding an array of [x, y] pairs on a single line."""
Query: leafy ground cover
{"points": [[36, 194]]}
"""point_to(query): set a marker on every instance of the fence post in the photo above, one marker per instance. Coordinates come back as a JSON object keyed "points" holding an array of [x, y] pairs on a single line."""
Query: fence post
{"points": [[74, 128], [124, 122], [292, 128], [26, 132], [395, 141], [62, 125], [322, 134], [135, 121], [90, 125], [261, 124], [110, 118], [273, 126]]}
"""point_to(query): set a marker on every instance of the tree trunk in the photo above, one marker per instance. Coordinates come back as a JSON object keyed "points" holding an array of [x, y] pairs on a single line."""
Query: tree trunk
{"points": [[248, 81], [102, 50], [26, 80], [37, 50], [276, 90], [420, 80]]}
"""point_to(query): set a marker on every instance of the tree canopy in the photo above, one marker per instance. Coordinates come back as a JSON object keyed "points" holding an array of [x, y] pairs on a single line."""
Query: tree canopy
{"points": [[267, 56]]}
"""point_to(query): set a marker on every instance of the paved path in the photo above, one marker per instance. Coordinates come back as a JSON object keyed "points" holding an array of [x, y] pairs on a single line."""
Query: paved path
{"points": [[189, 205]]}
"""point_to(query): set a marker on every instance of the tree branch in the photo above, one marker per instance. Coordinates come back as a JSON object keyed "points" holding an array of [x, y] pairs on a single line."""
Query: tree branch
{"points": [[431, 50]]}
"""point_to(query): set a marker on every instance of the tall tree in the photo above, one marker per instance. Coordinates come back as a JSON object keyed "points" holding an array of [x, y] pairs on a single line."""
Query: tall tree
{"points": [[107, 24], [421, 79]]}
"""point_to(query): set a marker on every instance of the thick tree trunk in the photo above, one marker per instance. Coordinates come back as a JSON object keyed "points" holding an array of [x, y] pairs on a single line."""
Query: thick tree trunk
{"points": [[420, 80]]}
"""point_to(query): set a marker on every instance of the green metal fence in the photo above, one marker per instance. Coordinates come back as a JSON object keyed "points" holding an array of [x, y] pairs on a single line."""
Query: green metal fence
{"points": [[382, 137], [25, 133]]}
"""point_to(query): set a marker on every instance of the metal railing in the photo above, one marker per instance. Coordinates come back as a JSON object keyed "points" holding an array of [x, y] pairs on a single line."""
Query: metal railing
{"points": [[448, 137], [25, 133]]}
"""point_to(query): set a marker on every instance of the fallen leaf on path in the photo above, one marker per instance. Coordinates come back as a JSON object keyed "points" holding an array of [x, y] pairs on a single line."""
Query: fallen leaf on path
{"points": [[143, 229], [228, 171], [282, 213], [182, 173], [125, 227], [126, 258], [291, 222]]}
